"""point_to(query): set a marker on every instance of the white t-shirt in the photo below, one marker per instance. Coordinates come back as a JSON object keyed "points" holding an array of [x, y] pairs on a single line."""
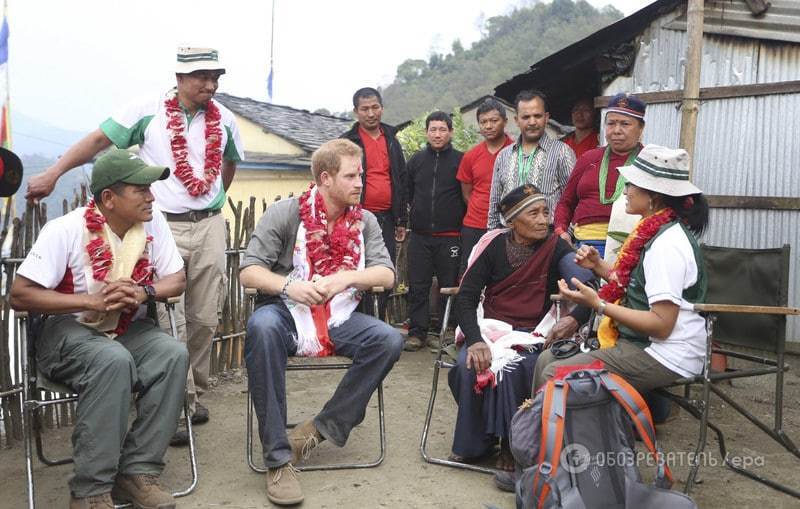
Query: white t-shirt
{"points": [[669, 269], [58, 258], [144, 123]]}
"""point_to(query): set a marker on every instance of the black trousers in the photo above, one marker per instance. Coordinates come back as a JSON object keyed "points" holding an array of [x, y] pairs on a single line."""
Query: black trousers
{"points": [[387, 223], [469, 237], [429, 256]]}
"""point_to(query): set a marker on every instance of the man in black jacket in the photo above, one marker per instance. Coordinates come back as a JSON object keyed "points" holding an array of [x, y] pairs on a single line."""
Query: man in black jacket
{"points": [[384, 177], [437, 211]]}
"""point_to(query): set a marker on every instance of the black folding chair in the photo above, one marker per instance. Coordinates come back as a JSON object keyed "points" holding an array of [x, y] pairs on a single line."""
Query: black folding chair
{"points": [[35, 383], [749, 292], [334, 362]]}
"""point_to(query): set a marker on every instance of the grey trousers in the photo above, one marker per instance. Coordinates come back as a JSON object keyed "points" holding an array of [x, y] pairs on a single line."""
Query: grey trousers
{"points": [[373, 346], [629, 361], [105, 373]]}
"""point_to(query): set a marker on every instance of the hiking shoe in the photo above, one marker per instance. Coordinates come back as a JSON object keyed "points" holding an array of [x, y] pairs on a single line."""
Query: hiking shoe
{"points": [[143, 491], [413, 343], [179, 439], [103, 501], [283, 487], [303, 439], [200, 415]]}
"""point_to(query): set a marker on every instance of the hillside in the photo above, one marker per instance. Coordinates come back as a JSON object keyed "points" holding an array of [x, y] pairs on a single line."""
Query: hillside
{"points": [[510, 45]]}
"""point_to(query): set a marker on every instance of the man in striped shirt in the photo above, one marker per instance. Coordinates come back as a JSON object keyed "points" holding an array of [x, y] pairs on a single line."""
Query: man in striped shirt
{"points": [[535, 158]]}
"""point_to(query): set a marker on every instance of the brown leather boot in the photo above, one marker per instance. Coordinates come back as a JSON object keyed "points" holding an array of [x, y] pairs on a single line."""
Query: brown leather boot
{"points": [[93, 502], [143, 491], [283, 487], [303, 439]]}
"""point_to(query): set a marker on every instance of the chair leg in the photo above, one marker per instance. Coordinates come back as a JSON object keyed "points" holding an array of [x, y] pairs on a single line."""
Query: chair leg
{"points": [[336, 466], [28, 435], [192, 452], [426, 429], [249, 439], [702, 438], [437, 365]]}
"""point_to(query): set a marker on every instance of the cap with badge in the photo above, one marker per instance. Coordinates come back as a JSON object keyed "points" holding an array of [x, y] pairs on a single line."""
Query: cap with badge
{"points": [[626, 104], [118, 165], [10, 172], [197, 59]]}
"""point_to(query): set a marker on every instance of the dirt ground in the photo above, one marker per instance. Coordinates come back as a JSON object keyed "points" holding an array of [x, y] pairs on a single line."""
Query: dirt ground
{"points": [[404, 480]]}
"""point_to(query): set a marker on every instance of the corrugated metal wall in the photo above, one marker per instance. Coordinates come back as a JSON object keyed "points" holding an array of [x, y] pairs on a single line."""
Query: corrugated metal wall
{"points": [[745, 146]]}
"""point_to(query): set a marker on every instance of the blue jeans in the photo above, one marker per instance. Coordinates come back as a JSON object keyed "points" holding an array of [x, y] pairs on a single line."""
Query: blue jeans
{"points": [[373, 346]]}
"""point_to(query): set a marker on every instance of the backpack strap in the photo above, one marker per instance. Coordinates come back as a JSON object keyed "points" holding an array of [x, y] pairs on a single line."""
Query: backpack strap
{"points": [[637, 409], [552, 440]]}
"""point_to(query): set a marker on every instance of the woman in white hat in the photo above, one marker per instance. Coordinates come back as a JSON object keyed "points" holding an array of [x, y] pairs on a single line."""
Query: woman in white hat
{"points": [[649, 332]]}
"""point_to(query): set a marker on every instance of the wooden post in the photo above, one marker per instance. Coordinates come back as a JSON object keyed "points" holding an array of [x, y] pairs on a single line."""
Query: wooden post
{"points": [[691, 88]]}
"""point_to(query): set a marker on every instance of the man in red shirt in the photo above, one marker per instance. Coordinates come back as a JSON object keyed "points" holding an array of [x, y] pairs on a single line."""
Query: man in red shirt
{"points": [[384, 177], [475, 173], [586, 136]]}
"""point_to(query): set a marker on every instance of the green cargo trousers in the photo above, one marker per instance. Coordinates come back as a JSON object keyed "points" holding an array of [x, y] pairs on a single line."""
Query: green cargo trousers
{"points": [[105, 373]]}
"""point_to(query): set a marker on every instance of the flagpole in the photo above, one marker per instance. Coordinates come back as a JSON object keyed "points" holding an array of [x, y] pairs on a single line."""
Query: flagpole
{"points": [[271, 54], [8, 84]]}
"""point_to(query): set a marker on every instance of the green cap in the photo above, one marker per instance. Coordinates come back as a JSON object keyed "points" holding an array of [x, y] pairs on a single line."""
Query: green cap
{"points": [[122, 166]]}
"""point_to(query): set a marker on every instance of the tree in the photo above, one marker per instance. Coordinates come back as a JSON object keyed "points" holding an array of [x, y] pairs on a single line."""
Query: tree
{"points": [[509, 45]]}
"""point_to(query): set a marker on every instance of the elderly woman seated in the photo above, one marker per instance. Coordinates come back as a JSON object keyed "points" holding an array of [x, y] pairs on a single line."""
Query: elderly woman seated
{"points": [[504, 296]]}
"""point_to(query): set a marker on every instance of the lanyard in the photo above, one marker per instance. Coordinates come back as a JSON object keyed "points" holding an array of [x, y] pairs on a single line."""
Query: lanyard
{"points": [[620, 179], [524, 165]]}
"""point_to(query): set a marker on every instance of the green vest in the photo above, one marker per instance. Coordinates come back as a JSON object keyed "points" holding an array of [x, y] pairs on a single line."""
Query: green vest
{"points": [[636, 298]]}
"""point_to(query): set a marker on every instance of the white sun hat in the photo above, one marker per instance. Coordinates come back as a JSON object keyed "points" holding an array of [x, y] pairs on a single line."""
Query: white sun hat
{"points": [[197, 59], [661, 169]]}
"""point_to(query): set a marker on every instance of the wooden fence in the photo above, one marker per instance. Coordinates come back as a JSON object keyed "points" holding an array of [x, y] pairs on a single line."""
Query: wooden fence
{"points": [[228, 344]]}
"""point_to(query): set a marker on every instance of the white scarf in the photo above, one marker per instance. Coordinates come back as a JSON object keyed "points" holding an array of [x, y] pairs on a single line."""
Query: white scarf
{"points": [[124, 261], [337, 310]]}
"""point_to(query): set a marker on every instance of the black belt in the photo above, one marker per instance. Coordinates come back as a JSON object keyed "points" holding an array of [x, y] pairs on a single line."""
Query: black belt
{"points": [[193, 216]]}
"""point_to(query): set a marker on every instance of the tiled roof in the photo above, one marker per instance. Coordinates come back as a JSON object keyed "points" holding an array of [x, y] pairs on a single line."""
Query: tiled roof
{"points": [[307, 130]]}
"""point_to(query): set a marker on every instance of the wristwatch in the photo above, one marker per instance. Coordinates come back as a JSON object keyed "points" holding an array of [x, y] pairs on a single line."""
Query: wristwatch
{"points": [[150, 292], [601, 309]]}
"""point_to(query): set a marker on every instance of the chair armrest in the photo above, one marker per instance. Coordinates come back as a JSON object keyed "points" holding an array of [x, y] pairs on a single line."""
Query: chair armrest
{"points": [[735, 308], [453, 290]]}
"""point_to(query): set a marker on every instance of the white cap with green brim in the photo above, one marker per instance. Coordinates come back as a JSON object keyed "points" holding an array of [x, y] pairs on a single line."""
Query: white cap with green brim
{"points": [[198, 59], [662, 170]]}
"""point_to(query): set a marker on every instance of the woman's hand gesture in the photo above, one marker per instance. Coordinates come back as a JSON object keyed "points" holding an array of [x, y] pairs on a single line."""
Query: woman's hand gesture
{"points": [[583, 295]]}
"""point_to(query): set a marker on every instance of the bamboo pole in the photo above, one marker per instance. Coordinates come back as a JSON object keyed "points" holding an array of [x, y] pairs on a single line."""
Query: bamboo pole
{"points": [[690, 105]]}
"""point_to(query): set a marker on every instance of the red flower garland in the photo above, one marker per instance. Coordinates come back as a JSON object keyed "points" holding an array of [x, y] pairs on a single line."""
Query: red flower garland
{"points": [[339, 250], [101, 259], [180, 152], [631, 251]]}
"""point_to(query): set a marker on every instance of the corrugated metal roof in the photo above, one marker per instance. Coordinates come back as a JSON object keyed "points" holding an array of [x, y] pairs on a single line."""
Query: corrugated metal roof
{"points": [[727, 23], [584, 51], [781, 22]]}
